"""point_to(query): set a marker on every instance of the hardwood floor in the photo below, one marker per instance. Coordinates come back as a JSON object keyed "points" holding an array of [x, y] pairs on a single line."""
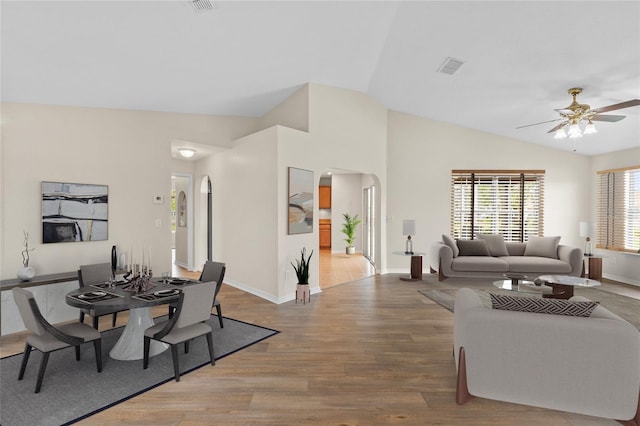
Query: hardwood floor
{"points": [[369, 352], [339, 268]]}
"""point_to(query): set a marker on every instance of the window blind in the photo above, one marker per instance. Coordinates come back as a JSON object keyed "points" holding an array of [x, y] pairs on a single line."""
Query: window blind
{"points": [[506, 202], [619, 209]]}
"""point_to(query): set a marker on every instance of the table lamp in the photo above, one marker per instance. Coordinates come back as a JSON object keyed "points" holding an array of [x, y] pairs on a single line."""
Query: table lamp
{"points": [[408, 229], [585, 231]]}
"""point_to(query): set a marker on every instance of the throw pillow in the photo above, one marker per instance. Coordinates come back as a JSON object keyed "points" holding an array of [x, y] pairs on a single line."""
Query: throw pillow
{"points": [[543, 306], [473, 248], [451, 243], [496, 244], [542, 247]]}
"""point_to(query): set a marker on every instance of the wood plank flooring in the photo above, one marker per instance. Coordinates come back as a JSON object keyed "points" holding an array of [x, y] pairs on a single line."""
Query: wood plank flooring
{"points": [[370, 352]]}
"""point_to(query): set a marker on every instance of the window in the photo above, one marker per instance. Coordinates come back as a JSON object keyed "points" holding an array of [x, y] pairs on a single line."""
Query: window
{"points": [[619, 209], [506, 202]]}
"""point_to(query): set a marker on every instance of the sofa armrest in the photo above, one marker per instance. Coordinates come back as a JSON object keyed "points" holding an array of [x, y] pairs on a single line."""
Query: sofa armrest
{"points": [[574, 257], [465, 300], [440, 254]]}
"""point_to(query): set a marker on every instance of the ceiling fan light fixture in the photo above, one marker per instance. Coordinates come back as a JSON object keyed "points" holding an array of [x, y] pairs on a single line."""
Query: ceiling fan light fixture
{"points": [[186, 152], [589, 129], [560, 133], [574, 131]]}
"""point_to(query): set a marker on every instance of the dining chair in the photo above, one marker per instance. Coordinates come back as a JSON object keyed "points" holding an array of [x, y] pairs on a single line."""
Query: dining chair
{"points": [[46, 338], [187, 323], [211, 271], [96, 273]]}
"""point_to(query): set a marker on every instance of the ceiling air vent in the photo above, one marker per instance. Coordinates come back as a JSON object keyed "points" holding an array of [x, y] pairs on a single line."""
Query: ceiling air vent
{"points": [[450, 66], [201, 5]]}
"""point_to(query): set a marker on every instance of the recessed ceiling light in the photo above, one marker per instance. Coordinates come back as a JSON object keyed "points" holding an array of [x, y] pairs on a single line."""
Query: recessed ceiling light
{"points": [[186, 152]]}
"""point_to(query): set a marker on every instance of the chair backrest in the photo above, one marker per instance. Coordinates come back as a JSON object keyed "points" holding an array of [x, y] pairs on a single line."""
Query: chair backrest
{"points": [[196, 305], [213, 271], [94, 274], [22, 297]]}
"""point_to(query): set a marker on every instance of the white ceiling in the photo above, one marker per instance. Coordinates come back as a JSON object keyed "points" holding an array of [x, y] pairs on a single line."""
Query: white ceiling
{"points": [[243, 58]]}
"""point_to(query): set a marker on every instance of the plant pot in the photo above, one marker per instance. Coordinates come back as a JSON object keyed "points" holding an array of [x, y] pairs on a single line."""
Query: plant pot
{"points": [[26, 273], [303, 293], [351, 250]]}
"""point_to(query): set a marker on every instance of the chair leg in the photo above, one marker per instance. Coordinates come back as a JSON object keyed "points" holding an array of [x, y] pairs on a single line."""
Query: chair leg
{"points": [[25, 359], [219, 310], [113, 321], [77, 348], [147, 344], [95, 322], [81, 316], [210, 344], [97, 346], [43, 367], [176, 367]]}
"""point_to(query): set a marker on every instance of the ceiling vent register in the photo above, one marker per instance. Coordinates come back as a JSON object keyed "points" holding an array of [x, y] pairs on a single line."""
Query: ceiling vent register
{"points": [[450, 66], [201, 5]]}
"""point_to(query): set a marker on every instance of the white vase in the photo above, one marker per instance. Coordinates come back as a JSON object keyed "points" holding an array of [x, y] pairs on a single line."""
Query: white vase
{"points": [[26, 273], [351, 249]]}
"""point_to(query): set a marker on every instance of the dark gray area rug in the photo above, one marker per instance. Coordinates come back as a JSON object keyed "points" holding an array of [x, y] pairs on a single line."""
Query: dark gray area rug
{"points": [[73, 390], [626, 307]]}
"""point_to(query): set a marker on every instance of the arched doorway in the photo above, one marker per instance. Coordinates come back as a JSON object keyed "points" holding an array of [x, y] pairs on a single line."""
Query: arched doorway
{"points": [[353, 193]]}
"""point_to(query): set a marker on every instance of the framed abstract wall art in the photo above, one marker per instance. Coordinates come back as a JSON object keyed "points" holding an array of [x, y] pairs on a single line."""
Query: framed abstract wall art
{"points": [[74, 212], [300, 201]]}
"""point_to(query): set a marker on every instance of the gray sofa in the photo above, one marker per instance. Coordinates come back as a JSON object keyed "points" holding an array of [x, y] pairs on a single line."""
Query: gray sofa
{"points": [[539, 256]]}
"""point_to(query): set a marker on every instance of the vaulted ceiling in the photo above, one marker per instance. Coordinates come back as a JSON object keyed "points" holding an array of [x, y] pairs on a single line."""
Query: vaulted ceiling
{"points": [[244, 57]]}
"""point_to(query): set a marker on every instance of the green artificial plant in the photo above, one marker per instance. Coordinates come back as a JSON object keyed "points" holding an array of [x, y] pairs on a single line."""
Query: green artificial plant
{"points": [[302, 266], [349, 227]]}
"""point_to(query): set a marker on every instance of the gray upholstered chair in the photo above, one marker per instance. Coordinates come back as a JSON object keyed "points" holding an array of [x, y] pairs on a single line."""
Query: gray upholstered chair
{"points": [[96, 274], [47, 338], [211, 271], [187, 323]]}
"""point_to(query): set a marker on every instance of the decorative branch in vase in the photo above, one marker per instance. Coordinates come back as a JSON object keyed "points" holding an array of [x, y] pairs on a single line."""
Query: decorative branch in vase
{"points": [[26, 272]]}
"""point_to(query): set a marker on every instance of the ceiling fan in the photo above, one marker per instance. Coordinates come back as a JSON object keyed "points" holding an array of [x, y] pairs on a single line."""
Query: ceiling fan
{"points": [[577, 119]]}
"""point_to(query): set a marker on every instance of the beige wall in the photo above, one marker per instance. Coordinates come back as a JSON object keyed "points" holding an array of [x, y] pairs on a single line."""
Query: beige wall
{"points": [[423, 152], [618, 266], [127, 150]]}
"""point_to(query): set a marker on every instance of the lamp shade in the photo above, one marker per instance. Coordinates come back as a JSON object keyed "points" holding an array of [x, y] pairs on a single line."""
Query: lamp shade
{"points": [[409, 227], [585, 229]]}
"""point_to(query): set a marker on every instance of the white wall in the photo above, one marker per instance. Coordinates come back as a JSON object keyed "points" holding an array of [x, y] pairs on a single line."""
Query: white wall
{"points": [[346, 194], [624, 267], [423, 152]]}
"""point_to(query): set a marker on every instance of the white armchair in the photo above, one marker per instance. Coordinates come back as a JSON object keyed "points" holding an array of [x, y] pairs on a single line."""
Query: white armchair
{"points": [[582, 365]]}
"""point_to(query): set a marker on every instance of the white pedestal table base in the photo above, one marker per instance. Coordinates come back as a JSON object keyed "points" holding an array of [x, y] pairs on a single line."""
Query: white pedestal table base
{"points": [[130, 345]]}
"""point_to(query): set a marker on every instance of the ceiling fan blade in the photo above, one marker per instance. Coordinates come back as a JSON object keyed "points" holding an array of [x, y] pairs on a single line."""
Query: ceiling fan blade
{"points": [[559, 126], [627, 104], [609, 118], [535, 124]]}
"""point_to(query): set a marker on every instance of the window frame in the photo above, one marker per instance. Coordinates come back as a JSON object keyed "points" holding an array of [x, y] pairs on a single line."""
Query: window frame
{"points": [[522, 211]]}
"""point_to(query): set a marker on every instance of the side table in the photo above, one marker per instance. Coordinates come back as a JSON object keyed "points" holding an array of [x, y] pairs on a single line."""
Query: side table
{"points": [[594, 267], [416, 265]]}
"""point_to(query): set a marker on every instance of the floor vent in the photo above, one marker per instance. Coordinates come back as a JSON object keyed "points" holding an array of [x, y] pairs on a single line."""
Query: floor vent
{"points": [[202, 5], [450, 66]]}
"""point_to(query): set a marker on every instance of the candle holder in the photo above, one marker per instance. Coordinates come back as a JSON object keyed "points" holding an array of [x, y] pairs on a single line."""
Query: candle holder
{"points": [[140, 282]]}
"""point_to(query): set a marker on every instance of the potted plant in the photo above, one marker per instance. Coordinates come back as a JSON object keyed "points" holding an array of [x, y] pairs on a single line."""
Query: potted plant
{"points": [[349, 230], [302, 273], [26, 272]]}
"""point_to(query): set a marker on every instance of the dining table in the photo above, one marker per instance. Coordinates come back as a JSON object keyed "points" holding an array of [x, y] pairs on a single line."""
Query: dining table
{"points": [[108, 296]]}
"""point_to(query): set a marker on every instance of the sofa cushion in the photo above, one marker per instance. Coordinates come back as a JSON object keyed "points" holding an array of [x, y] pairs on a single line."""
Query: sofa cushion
{"points": [[496, 244], [535, 264], [543, 247], [543, 306], [447, 240], [479, 264], [473, 248]]}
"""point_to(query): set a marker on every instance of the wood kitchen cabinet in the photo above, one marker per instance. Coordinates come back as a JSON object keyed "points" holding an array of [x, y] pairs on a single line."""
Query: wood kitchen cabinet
{"points": [[325, 197], [325, 233]]}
